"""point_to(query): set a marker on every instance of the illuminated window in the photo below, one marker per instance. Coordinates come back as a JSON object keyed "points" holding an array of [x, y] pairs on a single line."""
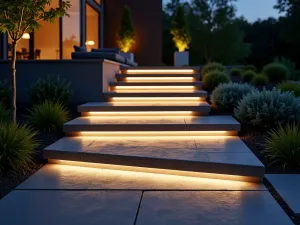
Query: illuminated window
{"points": [[22, 47], [71, 30], [46, 39], [98, 1], [92, 28]]}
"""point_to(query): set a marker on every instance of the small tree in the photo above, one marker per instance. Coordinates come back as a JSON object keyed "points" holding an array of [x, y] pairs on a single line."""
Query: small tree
{"points": [[126, 33], [180, 32], [20, 16]]}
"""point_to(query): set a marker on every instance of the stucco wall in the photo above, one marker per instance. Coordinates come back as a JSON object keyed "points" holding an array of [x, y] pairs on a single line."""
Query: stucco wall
{"points": [[148, 22], [86, 76]]}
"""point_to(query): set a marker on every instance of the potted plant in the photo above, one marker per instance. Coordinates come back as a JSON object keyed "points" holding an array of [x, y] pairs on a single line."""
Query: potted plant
{"points": [[126, 34], [181, 37]]}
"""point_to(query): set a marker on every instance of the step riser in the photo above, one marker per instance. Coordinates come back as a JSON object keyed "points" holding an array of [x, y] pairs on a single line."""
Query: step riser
{"points": [[124, 89], [142, 113], [183, 100], [160, 166], [149, 134]]}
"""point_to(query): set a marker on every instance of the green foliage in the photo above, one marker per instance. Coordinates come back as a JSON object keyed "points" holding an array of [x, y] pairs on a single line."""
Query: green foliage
{"points": [[17, 146], [48, 116], [283, 146], [51, 88], [126, 33], [291, 66], [248, 75], [268, 108], [18, 16], [214, 78], [260, 80], [276, 72], [236, 72], [181, 36], [226, 96], [4, 113], [290, 86], [250, 68], [213, 66]]}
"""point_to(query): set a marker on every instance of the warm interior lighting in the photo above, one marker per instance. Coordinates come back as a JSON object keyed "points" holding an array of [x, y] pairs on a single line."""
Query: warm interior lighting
{"points": [[160, 79], [90, 43], [161, 71], [26, 36], [155, 134], [141, 113], [177, 173]]}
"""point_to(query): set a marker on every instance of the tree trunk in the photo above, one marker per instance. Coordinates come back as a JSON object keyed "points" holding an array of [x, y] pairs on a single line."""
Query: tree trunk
{"points": [[13, 83]]}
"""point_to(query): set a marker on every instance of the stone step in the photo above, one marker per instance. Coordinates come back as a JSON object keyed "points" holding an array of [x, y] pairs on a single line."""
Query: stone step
{"points": [[197, 95], [197, 84], [222, 157], [153, 124], [135, 109], [161, 70], [157, 77]]}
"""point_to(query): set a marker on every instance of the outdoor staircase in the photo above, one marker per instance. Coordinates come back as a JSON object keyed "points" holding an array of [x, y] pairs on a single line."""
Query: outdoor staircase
{"points": [[157, 120]]}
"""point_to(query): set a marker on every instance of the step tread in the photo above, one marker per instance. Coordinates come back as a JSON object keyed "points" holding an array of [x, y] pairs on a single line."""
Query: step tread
{"points": [[144, 106], [123, 83], [227, 155], [164, 123], [198, 93], [124, 75]]}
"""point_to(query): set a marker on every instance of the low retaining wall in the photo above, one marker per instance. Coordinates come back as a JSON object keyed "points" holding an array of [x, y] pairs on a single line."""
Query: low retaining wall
{"points": [[88, 78]]}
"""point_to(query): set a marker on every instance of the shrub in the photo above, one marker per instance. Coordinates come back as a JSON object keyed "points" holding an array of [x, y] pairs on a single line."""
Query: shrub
{"points": [[250, 68], [48, 116], [4, 114], [276, 72], [17, 146], [291, 66], [283, 146], [248, 76], [290, 86], [260, 80], [214, 78], [51, 88], [268, 107], [213, 66], [236, 72], [227, 96]]}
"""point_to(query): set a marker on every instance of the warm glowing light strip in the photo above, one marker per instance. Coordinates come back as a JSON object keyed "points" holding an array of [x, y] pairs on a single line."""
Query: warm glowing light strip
{"points": [[155, 87], [154, 133], [181, 79], [161, 71], [156, 99], [141, 113], [166, 172]]}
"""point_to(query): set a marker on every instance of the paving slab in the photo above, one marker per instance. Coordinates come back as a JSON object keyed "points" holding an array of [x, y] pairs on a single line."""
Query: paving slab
{"points": [[69, 207], [64, 177], [210, 207], [288, 187], [176, 155]]}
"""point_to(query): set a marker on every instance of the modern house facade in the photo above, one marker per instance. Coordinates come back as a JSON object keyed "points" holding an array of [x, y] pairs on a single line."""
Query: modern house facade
{"points": [[94, 24]]}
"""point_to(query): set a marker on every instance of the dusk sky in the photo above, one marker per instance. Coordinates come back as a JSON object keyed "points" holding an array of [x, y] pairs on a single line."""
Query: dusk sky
{"points": [[254, 9]]}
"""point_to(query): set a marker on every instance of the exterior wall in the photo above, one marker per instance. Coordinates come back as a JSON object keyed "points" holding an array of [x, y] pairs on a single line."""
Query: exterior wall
{"points": [[88, 78], [147, 19]]}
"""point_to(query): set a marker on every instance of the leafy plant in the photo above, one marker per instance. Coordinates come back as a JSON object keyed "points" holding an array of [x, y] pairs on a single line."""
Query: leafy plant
{"points": [[250, 68], [283, 145], [260, 80], [17, 146], [291, 66], [48, 116], [214, 78], [290, 86], [236, 72], [4, 113], [226, 96], [268, 108], [181, 36], [248, 75], [126, 33], [213, 66], [51, 88], [276, 72]]}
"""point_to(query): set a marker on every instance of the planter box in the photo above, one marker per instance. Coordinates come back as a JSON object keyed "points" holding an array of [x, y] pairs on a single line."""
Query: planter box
{"points": [[128, 55], [181, 58]]}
